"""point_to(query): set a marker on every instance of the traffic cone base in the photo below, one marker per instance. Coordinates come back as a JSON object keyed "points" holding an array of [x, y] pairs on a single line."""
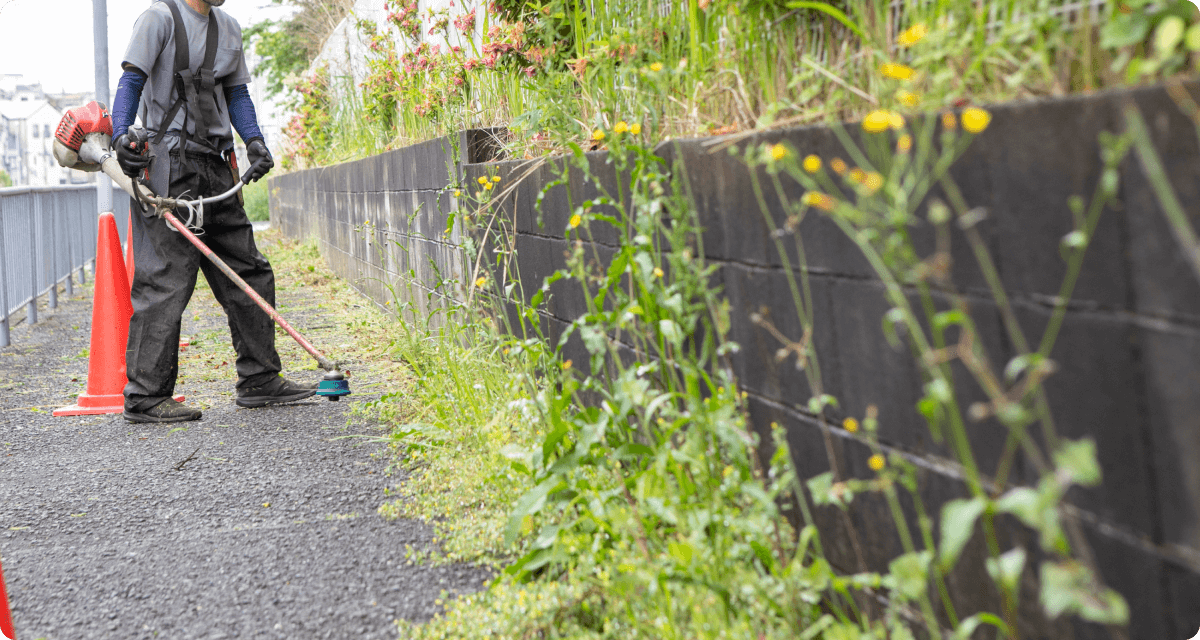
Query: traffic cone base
{"points": [[89, 405]]}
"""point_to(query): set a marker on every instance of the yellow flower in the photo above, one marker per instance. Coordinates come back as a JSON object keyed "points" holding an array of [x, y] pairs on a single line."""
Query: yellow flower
{"points": [[635, 128], [872, 182], [857, 175], [482, 179], [778, 152], [897, 71], [658, 273], [877, 121], [975, 119], [819, 200], [912, 35], [495, 178], [949, 122], [597, 135], [656, 67], [838, 165], [812, 164], [876, 462], [487, 187], [621, 127], [895, 120], [566, 365], [850, 424], [480, 282], [576, 220], [904, 144], [457, 192], [908, 98]]}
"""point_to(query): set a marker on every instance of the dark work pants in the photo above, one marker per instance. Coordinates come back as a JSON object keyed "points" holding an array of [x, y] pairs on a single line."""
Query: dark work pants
{"points": [[166, 266]]}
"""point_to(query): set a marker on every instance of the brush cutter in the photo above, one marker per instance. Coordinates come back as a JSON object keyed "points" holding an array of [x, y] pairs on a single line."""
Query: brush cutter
{"points": [[82, 142]]}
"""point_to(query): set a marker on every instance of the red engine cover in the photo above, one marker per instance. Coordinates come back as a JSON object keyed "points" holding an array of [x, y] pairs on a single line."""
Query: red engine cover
{"points": [[78, 122]]}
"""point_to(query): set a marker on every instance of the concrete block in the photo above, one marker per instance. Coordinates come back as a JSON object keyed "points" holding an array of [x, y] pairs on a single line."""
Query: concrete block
{"points": [[1171, 358]]}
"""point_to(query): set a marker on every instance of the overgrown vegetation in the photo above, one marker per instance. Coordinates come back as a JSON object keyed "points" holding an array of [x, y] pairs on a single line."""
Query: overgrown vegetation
{"points": [[255, 200], [629, 496], [557, 70]]}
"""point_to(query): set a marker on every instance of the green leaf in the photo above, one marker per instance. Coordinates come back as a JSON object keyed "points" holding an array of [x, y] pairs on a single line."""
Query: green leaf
{"points": [[1125, 29], [1191, 39], [671, 332], [1078, 458], [948, 318], [1006, 569], [682, 552], [911, 573], [968, 626], [529, 504], [958, 523], [1070, 588], [1168, 35], [821, 487], [817, 404]]}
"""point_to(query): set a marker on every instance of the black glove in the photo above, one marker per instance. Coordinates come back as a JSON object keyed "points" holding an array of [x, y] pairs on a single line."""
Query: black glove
{"points": [[257, 151], [132, 160]]}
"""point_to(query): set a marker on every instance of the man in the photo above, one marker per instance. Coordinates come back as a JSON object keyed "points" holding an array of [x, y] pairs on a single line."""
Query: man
{"points": [[185, 66]]}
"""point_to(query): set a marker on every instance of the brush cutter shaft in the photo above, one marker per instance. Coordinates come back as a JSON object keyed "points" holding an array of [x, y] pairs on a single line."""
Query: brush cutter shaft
{"points": [[322, 361]]}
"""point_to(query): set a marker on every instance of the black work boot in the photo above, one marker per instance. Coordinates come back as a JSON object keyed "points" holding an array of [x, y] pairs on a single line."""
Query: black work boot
{"points": [[169, 410], [278, 391]]}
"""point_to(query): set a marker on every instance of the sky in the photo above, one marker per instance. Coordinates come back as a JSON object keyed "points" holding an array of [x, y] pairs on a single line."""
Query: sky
{"points": [[50, 41]]}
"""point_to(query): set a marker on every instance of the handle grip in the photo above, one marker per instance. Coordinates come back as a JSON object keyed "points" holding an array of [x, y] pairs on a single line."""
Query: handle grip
{"points": [[251, 170]]}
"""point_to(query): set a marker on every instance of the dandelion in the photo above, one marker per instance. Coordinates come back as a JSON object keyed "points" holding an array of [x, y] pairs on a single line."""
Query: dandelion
{"points": [[635, 128], [904, 144], [975, 119], [876, 462], [576, 220], [480, 282], [895, 120], [877, 121], [482, 180], [872, 182], [621, 127], [949, 122], [819, 200], [897, 71], [812, 164], [838, 165], [908, 98], [597, 135], [658, 273], [778, 152], [912, 35], [850, 424], [656, 67], [495, 178]]}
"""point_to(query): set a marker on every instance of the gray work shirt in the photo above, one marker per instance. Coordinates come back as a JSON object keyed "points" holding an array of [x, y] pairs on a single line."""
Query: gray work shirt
{"points": [[152, 50]]}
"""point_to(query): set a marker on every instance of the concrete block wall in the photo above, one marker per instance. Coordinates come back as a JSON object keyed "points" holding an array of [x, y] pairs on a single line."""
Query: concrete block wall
{"points": [[1128, 354]]}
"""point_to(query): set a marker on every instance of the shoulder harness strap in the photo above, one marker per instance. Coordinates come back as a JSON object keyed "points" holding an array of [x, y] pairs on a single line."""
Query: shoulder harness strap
{"points": [[194, 93]]}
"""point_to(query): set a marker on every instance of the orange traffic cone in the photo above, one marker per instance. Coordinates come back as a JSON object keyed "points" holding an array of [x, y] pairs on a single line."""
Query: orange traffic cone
{"points": [[111, 310], [129, 247], [6, 625]]}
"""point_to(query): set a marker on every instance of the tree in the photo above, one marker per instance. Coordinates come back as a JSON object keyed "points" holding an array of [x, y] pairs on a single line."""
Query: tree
{"points": [[289, 46]]}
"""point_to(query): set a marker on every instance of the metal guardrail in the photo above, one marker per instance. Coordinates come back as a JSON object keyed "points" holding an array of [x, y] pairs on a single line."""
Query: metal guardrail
{"points": [[47, 236]]}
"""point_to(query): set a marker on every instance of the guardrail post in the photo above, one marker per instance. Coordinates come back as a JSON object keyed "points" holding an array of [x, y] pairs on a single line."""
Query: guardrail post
{"points": [[4, 341], [67, 227], [51, 249], [31, 308]]}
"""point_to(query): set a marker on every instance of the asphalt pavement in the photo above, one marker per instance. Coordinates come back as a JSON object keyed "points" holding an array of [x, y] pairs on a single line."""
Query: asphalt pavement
{"points": [[252, 523]]}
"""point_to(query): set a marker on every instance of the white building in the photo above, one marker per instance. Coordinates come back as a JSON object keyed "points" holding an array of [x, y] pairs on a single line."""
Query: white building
{"points": [[27, 144]]}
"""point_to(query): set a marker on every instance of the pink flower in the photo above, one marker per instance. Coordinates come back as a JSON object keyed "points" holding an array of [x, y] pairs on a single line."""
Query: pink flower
{"points": [[530, 71]]}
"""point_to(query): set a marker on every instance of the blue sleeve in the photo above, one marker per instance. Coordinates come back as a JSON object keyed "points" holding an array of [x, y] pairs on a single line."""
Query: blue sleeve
{"points": [[241, 112], [125, 103]]}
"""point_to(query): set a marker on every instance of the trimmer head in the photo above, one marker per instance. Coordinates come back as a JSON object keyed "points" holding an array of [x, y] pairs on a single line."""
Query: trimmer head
{"points": [[334, 386]]}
